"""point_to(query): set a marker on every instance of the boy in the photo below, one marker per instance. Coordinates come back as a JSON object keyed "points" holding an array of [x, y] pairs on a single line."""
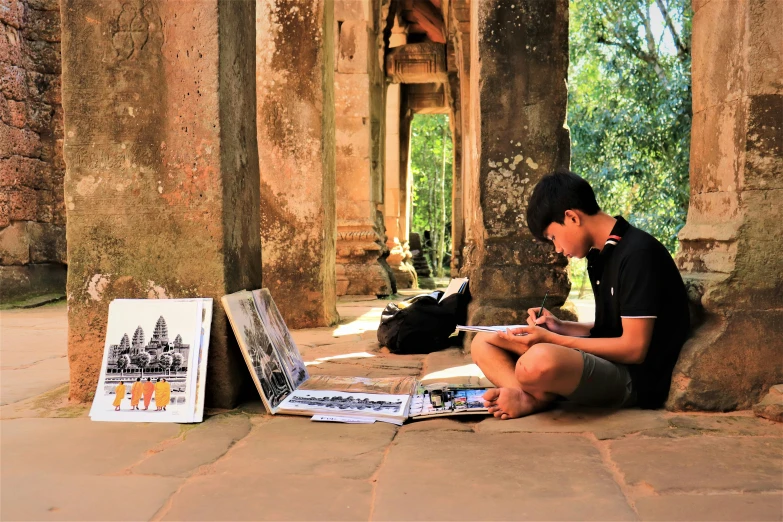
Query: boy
{"points": [[627, 356]]}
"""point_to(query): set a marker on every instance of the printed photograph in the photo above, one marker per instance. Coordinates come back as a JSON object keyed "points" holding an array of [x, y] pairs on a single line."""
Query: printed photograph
{"points": [[147, 360], [267, 367], [447, 401], [312, 400], [280, 337]]}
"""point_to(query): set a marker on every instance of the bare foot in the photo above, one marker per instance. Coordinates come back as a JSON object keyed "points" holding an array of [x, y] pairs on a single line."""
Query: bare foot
{"points": [[510, 403]]}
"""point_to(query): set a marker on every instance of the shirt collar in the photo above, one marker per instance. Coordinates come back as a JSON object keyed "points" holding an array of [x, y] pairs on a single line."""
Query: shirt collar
{"points": [[618, 231]]}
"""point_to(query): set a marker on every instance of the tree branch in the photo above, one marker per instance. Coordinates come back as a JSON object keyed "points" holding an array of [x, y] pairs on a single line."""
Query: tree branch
{"points": [[652, 49], [682, 50]]}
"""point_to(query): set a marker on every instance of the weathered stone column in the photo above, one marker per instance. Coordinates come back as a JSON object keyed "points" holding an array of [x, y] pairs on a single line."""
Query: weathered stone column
{"points": [[730, 245], [399, 259], [161, 186], [459, 23], [295, 84], [518, 112], [359, 118]]}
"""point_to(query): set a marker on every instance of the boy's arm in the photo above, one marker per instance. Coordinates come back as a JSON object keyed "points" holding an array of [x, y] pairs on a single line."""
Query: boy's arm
{"points": [[630, 348], [574, 329], [553, 324]]}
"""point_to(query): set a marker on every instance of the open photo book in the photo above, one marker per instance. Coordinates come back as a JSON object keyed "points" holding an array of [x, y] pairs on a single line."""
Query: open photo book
{"points": [[154, 361], [286, 387]]}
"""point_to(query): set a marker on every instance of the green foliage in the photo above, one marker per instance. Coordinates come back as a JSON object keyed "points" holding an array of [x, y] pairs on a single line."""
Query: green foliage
{"points": [[630, 108], [431, 156]]}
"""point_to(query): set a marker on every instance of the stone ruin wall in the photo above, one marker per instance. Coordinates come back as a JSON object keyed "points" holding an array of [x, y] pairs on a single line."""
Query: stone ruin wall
{"points": [[32, 209]]}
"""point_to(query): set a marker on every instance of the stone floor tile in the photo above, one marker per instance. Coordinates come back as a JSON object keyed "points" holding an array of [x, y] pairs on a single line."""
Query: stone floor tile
{"points": [[605, 424], [380, 365], [701, 463], [46, 327], [33, 380], [688, 425], [450, 475], [354, 347], [453, 366], [750, 506], [463, 423], [259, 495], [76, 446], [45, 496], [52, 404], [201, 444], [33, 350], [287, 445]]}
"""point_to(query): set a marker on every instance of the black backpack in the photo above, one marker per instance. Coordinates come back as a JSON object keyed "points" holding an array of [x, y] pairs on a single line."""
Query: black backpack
{"points": [[423, 325]]}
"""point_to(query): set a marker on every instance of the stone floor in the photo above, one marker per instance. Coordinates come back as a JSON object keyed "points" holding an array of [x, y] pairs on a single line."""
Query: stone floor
{"points": [[566, 464]]}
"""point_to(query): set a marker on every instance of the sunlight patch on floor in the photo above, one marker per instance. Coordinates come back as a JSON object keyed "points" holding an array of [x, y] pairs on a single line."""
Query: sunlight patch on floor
{"points": [[355, 355], [364, 323]]}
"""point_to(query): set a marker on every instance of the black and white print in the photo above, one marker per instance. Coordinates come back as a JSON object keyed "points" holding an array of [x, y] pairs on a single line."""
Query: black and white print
{"points": [[259, 352], [280, 337]]}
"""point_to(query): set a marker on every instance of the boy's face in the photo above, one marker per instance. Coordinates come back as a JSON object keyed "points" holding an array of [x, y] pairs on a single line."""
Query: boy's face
{"points": [[570, 238]]}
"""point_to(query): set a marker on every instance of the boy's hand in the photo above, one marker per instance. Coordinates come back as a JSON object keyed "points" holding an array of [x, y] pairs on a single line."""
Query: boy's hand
{"points": [[524, 337], [547, 320]]}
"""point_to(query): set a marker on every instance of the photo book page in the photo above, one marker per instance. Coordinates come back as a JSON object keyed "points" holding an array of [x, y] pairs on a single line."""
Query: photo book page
{"points": [[154, 361]]}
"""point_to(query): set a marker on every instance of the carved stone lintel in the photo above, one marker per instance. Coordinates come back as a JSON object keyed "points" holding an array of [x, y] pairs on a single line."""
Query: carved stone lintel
{"points": [[417, 63]]}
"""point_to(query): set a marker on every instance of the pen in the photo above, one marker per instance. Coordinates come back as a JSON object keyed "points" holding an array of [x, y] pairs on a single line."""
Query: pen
{"points": [[541, 310]]}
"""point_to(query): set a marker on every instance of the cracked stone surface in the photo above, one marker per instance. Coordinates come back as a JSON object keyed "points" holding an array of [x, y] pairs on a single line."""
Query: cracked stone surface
{"points": [[564, 464], [30, 368]]}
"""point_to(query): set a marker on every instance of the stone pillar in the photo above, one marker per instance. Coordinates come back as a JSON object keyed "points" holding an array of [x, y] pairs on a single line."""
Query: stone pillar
{"points": [[295, 84], [161, 185], [399, 259], [32, 210], [518, 112], [730, 245], [359, 115], [459, 21]]}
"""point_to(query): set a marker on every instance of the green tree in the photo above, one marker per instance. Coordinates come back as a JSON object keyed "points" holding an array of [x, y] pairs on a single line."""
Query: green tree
{"points": [[630, 108], [123, 362], [177, 361], [142, 360], [165, 360], [431, 152]]}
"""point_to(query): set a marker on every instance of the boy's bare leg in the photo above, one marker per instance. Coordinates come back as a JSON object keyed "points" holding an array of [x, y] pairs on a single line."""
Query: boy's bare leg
{"points": [[527, 383], [508, 400]]}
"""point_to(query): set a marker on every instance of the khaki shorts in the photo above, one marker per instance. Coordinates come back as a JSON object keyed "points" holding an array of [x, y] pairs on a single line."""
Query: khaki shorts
{"points": [[604, 384]]}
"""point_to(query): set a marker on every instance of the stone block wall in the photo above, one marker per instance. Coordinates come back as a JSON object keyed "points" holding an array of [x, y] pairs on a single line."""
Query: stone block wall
{"points": [[729, 248], [32, 210]]}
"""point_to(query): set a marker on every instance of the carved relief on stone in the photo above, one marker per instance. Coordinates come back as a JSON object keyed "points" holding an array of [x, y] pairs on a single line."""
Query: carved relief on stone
{"points": [[401, 263], [361, 269], [417, 63], [135, 29]]}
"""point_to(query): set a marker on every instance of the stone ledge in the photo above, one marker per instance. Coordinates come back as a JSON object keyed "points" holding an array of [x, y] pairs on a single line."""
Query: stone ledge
{"points": [[20, 283]]}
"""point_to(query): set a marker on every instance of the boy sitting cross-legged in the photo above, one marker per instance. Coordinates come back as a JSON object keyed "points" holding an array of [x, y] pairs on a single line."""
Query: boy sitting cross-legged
{"points": [[627, 356]]}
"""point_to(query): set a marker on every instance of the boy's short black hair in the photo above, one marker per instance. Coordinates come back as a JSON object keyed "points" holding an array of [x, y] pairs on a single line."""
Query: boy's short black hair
{"points": [[553, 195]]}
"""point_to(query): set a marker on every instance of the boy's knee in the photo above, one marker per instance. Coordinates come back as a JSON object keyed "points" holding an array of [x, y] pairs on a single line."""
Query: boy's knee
{"points": [[536, 366], [478, 346]]}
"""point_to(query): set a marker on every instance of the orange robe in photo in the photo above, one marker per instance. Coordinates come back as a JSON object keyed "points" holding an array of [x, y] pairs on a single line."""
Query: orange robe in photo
{"points": [[148, 388], [135, 394], [162, 394], [119, 394]]}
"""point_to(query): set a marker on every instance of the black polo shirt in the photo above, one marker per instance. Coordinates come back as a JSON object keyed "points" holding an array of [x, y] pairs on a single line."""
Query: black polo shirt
{"points": [[635, 276]]}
